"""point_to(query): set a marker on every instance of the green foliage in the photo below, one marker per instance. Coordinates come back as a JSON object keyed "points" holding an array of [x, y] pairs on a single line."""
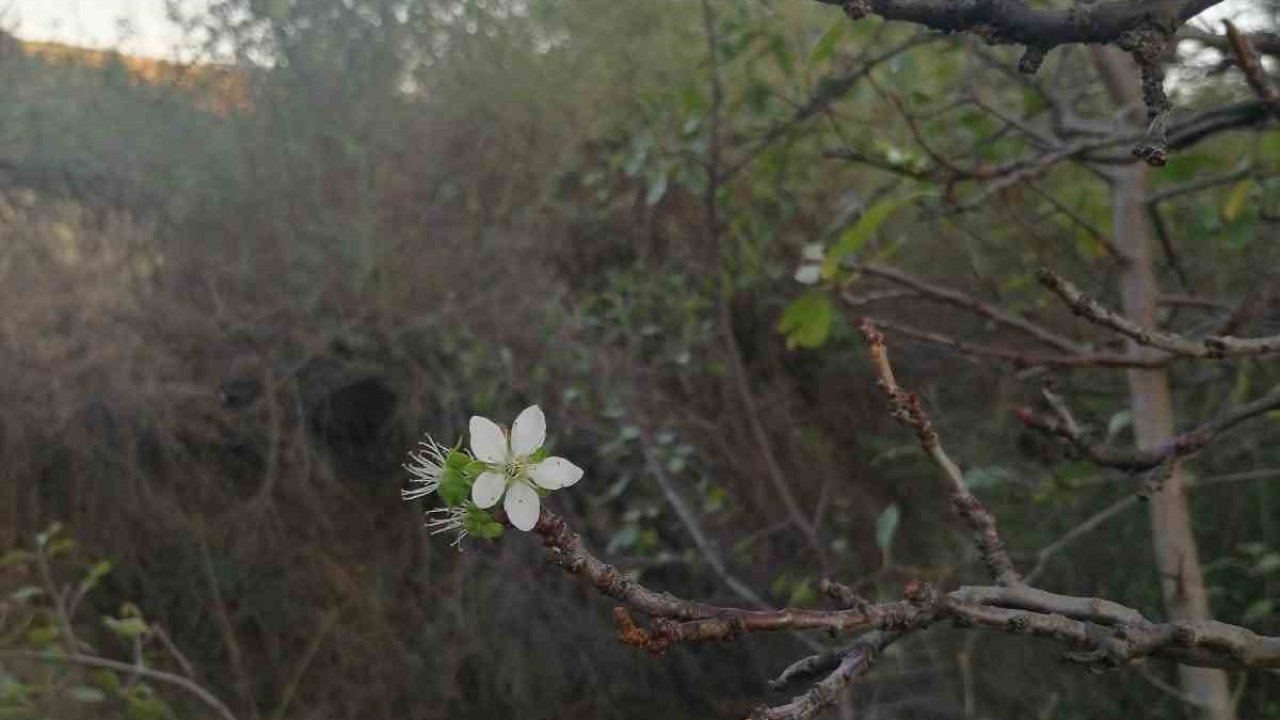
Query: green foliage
{"points": [[41, 672], [852, 240], [806, 322], [887, 527]]}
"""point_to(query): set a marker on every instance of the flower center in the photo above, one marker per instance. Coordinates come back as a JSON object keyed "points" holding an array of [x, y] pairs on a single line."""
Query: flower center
{"points": [[517, 468]]}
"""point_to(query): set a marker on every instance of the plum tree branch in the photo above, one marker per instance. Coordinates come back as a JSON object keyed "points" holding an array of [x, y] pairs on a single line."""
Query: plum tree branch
{"points": [[1210, 347], [1017, 22], [1065, 426], [1097, 632]]}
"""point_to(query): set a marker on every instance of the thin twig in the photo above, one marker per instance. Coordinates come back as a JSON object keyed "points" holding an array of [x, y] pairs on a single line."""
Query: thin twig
{"points": [[158, 675]]}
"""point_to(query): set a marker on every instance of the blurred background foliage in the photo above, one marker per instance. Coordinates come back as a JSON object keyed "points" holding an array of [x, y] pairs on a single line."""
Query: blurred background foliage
{"points": [[235, 293]]}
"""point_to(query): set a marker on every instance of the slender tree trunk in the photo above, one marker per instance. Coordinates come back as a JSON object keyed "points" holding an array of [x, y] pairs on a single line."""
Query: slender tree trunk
{"points": [[1173, 539]]}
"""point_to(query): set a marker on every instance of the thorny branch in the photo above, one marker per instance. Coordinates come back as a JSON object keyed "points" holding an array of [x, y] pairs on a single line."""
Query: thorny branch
{"points": [[1096, 632]]}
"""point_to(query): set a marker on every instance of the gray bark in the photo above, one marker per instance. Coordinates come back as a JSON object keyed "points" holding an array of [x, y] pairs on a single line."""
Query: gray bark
{"points": [[1173, 538]]}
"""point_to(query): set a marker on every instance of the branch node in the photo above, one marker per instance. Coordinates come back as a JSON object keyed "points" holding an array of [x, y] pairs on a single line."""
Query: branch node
{"points": [[1032, 58], [856, 9]]}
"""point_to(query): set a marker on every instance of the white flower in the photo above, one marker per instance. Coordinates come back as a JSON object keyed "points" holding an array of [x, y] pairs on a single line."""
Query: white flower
{"points": [[511, 472], [813, 252], [427, 466], [448, 519], [808, 274]]}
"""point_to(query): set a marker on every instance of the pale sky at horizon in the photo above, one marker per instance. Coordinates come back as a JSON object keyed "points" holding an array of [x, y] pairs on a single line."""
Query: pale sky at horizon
{"points": [[140, 26], [134, 26]]}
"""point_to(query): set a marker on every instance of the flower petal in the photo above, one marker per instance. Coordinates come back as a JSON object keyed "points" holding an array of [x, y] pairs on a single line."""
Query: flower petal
{"points": [[528, 431], [808, 274], [488, 488], [555, 473], [488, 443], [522, 506]]}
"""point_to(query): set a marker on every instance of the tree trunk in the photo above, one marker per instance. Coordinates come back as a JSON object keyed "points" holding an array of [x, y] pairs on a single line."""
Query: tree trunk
{"points": [[1173, 540]]}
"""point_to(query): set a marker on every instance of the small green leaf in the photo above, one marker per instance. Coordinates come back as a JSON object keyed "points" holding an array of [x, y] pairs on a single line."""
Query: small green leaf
{"points": [[985, 477], [802, 593], [60, 546], [825, 47], [779, 585], [14, 557], [142, 704], [95, 574], [806, 322], [42, 637], [53, 529], [86, 694], [657, 189], [1266, 565], [25, 593], [1258, 611], [1118, 422], [1235, 200], [12, 690], [886, 527], [107, 680], [129, 627], [853, 238]]}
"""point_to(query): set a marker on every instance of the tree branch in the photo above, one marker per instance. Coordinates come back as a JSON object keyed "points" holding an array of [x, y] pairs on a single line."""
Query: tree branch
{"points": [[1065, 427]]}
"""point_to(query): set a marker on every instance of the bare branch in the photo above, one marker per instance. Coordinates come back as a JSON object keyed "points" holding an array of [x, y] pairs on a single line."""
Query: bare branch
{"points": [[1210, 347], [1251, 65], [907, 409], [1065, 427], [1018, 358], [973, 305], [853, 662], [1016, 22], [1110, 634]]}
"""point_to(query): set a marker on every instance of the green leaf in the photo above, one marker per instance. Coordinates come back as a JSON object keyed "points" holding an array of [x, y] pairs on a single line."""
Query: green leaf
{"points": [[86, 694], [95, 574], [825, 47], [129, 627], [1258, 611], [42, 637], [853, 238], [60, 546], [657, 189], [781, 52], [987, 477], [802, 593], [1267, 564], [807, 320], [1118, 422], [14, 557], [53, 529], [25, 593], [1235, 200], [107, 680], [11, 689], [142, 704], [886, 527]]}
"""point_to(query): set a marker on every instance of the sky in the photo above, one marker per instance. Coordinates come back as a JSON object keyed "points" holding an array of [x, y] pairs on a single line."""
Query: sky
{"points": [[140, 27], [134, 26]]}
